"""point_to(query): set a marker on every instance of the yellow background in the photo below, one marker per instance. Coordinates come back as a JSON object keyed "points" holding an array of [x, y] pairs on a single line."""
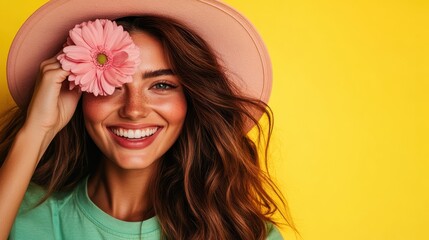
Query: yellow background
{"points": [[350, 97]]}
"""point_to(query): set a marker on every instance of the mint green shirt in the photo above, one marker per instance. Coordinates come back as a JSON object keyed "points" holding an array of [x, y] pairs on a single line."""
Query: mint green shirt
{"points": [[74, 216]]}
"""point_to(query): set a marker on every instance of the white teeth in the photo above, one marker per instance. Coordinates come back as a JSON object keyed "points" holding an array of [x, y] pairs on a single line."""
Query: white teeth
{"points": [[138, 133], [130, 133], [134, 134]]}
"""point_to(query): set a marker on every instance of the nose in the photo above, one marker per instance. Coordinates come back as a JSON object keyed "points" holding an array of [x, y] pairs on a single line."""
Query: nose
{"points": [[135, 103]]}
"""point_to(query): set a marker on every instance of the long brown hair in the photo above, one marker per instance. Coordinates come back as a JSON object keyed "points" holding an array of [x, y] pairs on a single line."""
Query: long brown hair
{"points": [[210, 184]]}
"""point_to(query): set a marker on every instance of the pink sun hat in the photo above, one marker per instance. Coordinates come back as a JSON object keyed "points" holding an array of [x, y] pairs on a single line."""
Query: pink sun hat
{"points": [[236, 42]]}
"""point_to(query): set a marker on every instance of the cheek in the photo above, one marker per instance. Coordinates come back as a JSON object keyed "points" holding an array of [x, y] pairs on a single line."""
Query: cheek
{"points": [[174, 109]]}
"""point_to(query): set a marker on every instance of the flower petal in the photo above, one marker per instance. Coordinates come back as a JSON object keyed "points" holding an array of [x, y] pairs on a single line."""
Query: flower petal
{"points": [[107, 88], [82, 68], [71, 85], [75, 35], [113, 38], [114, 77], [77, 53], [97, 30], [119, 58], [87, 78], [127, 68], [89, 37]]}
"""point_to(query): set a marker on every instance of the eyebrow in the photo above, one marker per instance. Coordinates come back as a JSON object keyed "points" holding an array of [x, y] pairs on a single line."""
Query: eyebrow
{"points": [[158, 73]]}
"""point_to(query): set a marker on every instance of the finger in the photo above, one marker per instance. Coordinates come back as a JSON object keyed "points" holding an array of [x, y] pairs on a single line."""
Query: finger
{"points": [[48, 61], [51, 66], [55, 75]]}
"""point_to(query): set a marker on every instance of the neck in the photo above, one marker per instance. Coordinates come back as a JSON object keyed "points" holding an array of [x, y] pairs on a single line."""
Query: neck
{"points": [[123, 194]]}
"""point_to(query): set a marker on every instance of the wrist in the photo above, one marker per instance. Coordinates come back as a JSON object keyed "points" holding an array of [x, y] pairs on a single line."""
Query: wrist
{"points": [[38, 136]]}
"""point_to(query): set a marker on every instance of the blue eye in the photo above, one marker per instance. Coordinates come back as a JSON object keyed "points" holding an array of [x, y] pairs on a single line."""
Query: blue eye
{"points": [[163, 86]]}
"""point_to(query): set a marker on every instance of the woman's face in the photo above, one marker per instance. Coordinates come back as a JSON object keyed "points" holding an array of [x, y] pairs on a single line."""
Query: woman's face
{"points": [[139, 122]]}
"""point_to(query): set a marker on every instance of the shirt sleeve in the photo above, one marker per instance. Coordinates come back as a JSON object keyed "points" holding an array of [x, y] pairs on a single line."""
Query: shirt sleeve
{"points": [[273, 233]]}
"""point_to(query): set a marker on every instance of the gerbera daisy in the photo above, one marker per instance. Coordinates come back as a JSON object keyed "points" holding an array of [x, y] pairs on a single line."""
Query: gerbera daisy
{"points": [[100, 56]]}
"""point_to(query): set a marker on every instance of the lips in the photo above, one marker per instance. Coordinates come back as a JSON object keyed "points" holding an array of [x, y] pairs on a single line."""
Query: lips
{"points": [[134, 133]]}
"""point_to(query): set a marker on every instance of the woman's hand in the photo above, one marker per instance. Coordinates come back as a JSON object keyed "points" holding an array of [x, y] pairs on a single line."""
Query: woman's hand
{"points": [[53, 104]]}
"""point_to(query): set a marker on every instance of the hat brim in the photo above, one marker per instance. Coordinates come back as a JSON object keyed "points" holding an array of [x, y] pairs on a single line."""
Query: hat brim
{"points": [[236, 42]]}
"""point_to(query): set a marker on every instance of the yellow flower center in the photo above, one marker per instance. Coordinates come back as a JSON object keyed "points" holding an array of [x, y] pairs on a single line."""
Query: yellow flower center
{"points": [[102, 58]]}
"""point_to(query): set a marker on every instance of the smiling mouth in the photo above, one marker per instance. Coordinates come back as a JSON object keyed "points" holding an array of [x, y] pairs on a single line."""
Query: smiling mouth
{"points": [[134, 133]]}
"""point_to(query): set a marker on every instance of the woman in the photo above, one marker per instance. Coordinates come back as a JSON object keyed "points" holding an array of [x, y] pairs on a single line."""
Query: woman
{"points": [[163, 155]]}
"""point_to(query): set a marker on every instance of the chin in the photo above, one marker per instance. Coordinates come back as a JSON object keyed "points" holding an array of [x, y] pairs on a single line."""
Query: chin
{"points": [[134, 163]]}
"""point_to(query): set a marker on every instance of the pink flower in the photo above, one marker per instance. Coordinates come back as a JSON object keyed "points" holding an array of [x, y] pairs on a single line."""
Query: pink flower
{"points": [[100, 56]]}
